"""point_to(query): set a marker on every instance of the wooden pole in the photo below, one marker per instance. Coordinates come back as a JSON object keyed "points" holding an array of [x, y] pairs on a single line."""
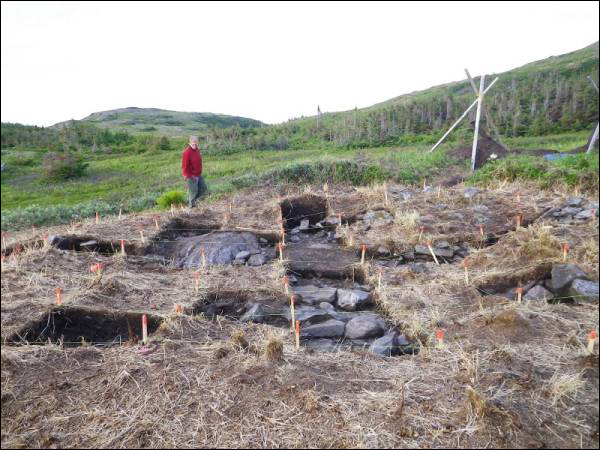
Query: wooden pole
{"points": [[593, 140], [297, 334], [477, 119], [293, 310], [461, 117], [488, 116]]}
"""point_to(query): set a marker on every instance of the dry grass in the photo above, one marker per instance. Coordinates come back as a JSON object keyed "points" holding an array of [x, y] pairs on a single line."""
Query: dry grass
{"points": [[509, 375]]}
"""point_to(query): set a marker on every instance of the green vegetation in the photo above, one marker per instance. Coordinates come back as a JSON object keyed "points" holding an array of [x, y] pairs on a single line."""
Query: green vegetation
{"points": [[169, 198], [163, 122], [53, 175], [63, 166], [573, 170]]}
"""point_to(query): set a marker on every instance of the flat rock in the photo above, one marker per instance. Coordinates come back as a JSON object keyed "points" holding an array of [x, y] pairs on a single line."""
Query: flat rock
{"points": [[243, 255], [304, 225], [584, 291], [321, 260], [538, 293], [256, 313], [309, 315], [313, 295], [219, 248], [257, 260], [571, 211], [352, 299], [328, 329], [386, 345], [563, 275], [575, 201], [364, 327], [442, 252], [586, 214]]}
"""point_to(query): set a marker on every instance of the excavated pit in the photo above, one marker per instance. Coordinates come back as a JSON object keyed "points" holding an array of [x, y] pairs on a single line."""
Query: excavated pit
{"points": [[306, 207], [73, 327], [89, 244]]}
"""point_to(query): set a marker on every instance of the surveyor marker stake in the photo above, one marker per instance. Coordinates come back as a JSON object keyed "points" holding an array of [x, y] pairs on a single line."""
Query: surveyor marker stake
{"points": [[591, 341], [439, 336], [58, 296], [144, 329]]}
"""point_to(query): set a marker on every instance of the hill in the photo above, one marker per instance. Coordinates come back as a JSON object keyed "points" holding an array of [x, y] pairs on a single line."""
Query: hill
{"points": [[544, 97], [163, 122]]}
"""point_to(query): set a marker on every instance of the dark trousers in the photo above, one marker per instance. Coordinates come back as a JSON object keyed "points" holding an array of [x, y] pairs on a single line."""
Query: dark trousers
{"points": [[196, 189]]}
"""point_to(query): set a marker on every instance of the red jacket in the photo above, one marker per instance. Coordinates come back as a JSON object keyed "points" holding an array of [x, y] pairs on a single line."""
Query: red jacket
{"points": [[191, 163]]}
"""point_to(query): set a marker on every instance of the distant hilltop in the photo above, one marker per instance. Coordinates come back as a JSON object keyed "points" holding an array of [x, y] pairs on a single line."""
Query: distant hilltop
{"points": [[160, 121]]}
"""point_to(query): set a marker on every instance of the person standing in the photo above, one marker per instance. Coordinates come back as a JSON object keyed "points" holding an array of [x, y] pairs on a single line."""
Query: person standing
{"points": [[191, 168]]}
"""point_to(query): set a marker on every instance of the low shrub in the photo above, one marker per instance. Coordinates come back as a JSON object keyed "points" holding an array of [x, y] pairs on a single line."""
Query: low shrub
{"points": [[171, 198], [63, 166]]}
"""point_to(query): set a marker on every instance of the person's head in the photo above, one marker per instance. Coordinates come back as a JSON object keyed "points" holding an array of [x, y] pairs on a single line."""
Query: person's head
{"points": [[194, 142]]}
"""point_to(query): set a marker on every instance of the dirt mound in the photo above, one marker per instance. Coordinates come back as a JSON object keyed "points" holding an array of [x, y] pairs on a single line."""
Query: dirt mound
{"points": [[486, 149]]}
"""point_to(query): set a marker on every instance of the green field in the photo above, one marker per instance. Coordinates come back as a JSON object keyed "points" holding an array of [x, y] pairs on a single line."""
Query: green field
{"points": [[133, 181]]}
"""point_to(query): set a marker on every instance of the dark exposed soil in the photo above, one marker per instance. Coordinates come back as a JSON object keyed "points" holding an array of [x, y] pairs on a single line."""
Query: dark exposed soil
{"points": [[486, 147], [73, 326]]}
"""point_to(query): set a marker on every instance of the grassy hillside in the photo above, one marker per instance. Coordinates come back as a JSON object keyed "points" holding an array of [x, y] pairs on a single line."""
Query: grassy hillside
{"points": [[544, 97], [548, 104], [163, 122]]}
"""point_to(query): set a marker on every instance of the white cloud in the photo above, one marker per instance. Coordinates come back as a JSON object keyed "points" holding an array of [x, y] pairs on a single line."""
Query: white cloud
{"points": [[270, 61]]}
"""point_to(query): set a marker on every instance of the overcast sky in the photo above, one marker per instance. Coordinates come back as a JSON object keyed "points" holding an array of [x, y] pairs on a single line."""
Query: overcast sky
{"points": [[268, 61]]}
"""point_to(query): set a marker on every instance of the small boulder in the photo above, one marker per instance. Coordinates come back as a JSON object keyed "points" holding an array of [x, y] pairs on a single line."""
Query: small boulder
{"points": [[304, 225], [364, 327], [563, 275], [586, 214], [313, 295], [257, 260], [386, 345], [575, 201], [328, 329], [538, 293], [256, 313], [243, 255], [584, 291], [352, 299]]}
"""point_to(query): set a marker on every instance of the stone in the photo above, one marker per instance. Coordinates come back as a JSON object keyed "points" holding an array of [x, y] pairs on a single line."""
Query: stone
{"points": [[418, 268], [378, 218], [428, 189], [584, 291], [308, 315], [244, 255], [575, 201], [257, 260], [383, 251], [327, 307], [333, 220], [352, 299], [295, 238], [328, 329], [442, 252], [218, 247], [443, 245], [322, 345], [313, 295], [263, 241], [402, 340], [386, 345], [538, 293], [571, 211], [256, 313], [239, 262], [471, 192], [586, 214], [364, 327], [563, 275], [304, 225]]}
